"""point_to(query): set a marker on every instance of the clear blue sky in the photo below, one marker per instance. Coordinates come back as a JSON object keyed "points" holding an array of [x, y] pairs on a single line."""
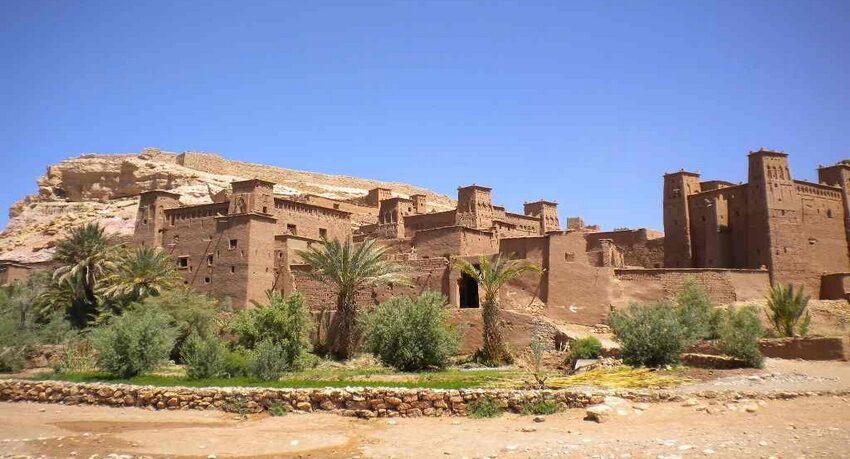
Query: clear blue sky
{"points": [[587, 103]]}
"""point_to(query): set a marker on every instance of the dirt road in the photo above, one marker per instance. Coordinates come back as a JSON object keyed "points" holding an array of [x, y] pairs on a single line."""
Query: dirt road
{"points": [[808, 427]]}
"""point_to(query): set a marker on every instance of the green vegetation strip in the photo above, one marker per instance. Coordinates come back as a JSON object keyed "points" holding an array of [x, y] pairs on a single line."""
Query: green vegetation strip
{"points": [[453, 379]]}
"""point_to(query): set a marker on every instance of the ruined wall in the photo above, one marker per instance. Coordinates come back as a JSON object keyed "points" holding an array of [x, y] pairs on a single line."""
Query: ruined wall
{"points": [[524, 225], [425, 275], [637, 247], [724, 286], [13, 272], [454, 240], [414, 223], [307, 220]]}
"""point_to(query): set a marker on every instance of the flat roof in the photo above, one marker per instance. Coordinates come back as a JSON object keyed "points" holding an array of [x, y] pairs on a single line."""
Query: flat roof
{"points": [[478, 187]]}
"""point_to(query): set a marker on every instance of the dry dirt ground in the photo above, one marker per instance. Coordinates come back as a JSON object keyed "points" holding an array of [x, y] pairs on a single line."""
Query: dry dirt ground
{"points": [[804, 427]]}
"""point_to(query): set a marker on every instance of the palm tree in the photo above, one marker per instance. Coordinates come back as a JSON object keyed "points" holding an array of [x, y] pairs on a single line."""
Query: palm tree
{"points": [[142, 272], [492, 275], [86, 255], [787, 310], [350, 269]]}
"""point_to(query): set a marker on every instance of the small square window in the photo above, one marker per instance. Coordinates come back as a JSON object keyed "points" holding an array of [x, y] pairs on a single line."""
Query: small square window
{"points": [[183, 262], [323, 233], [232, 244], [292, 229], [207, 280]]}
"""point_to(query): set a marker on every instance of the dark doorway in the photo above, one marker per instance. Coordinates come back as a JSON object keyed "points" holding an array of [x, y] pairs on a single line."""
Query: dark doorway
{"points": [[468, 291]]}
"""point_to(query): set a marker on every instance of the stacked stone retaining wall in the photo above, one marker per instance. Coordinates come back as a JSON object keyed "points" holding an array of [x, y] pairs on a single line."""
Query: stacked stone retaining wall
{"points": [[359, 402]]}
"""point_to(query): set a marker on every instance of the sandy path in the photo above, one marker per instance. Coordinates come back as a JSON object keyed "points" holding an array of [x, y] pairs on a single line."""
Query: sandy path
{"points": [[810, 427], [784, 375]]}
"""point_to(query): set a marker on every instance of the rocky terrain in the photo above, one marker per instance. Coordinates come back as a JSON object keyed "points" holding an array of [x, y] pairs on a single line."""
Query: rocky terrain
{"points": [[105, 188]]}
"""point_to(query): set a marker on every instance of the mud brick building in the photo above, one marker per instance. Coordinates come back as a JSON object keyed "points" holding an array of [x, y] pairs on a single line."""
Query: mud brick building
{"points": [[733, 239], [795, 229]]}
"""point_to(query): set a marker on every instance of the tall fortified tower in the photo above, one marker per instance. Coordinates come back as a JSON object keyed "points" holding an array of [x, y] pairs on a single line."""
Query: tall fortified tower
{"points": [[150, 217], [678, 250], [839, 175], [775, 208], [547, 212], [252, 196], [474, 207]]}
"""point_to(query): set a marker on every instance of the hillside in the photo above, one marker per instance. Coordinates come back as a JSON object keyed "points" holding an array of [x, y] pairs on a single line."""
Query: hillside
{"points": [[105, 188]]}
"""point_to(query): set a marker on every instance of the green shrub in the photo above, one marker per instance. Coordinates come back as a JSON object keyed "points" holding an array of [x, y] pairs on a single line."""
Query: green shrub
{"points": [[286, 322], [189, 312], [237, 362], [278, 409], [411, 333], [268, 361], [696, 310], [204, 356], [588, 347], [133, 343], [484, 407], [13, 358], [650, 335], [739, 334], [25, 324], [787, 310], [544, 407]]}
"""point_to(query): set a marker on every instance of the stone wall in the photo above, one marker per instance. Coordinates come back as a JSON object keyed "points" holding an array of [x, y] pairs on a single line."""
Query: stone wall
{"points": [[360, 402]]}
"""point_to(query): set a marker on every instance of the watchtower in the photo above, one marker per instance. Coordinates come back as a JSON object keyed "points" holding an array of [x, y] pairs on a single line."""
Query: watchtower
{"points": [[678, 250], [474, 207], [150, 216]]}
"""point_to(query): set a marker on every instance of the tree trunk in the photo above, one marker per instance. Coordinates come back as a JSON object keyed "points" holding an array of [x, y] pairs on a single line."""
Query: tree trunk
{"points": [[494, 351], [345, 334]]}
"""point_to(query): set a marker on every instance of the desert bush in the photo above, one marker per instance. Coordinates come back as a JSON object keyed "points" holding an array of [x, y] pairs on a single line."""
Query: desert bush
{"points": [[650, 335], [188, 312], [411, 333], [268, 361], [787, 310], [237, 362], [13, 358], [79, 357], [204, 356], [484, 407], [739, 333], [278, 409], [24, 326], [543, 407], [538, 372], [588, 347], [284, 321], [697, 311], [133, 343]]}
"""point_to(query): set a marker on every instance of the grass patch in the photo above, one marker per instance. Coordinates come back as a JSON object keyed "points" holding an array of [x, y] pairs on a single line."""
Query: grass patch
{"points": [[449, 379], [484, 407], [621, 377], [540, 408]]}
